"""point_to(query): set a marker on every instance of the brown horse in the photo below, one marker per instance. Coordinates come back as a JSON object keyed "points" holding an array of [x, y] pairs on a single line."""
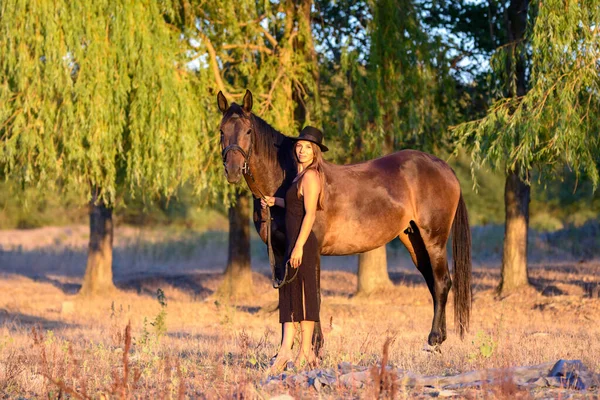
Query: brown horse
{"points": [[409, 194]]}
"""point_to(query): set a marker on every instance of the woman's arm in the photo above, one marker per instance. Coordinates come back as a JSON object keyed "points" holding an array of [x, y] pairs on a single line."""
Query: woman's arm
{"points": [[311, 187], [272, 201]]}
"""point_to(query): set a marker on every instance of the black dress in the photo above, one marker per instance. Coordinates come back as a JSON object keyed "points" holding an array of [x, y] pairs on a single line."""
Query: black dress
{"points": [[299, 300]]}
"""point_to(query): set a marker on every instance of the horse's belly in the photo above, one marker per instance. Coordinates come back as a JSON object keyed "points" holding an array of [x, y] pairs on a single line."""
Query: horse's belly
{"points": [[352, 237]]}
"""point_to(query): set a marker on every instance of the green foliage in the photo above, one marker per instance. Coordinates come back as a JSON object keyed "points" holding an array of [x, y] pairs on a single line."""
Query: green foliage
{"points": [[98, 95], [401, 96], [554, 122], [485, 345], [160, 321], [34, 209], [149, 339], [266, 47]]}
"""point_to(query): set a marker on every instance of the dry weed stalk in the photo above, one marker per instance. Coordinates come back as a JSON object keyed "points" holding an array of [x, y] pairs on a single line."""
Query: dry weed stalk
{"points": [[120, 385], [181, 388], [384, 385], [503, 386], [38, 341], [13, 367]]}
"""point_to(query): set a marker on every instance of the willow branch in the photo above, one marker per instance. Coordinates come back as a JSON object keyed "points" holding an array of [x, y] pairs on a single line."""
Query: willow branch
{"points": [[248, 46], [255, 21], [267, 102], [213, 63], [269, 37]]}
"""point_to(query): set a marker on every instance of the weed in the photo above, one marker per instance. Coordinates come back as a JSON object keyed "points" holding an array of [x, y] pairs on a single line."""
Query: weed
{"points": [[149, 339], [384, 385], [485, 345], [160, 321], [253, 355]]}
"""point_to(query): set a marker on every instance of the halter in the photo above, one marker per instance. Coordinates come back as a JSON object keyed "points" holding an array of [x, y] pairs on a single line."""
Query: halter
{"points": [[236, 147]]}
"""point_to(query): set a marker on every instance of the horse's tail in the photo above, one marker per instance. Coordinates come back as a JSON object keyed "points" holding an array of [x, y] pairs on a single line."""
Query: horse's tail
{"points": [[461, 255]]}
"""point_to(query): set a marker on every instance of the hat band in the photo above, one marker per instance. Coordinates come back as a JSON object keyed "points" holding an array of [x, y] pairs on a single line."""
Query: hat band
{"points": [[310, 138]]}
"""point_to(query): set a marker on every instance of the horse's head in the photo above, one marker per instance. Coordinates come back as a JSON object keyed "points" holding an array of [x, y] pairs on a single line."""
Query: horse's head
{"points": [[236, 136]]}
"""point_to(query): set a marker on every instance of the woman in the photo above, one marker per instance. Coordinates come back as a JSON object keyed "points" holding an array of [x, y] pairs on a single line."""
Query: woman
{"points": [[299, 300]]}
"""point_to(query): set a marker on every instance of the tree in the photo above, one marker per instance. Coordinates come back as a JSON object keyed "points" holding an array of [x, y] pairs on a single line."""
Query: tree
{"points": [[97, 98], [267, 47], [389, 92], [237, 280], [545, 118]]}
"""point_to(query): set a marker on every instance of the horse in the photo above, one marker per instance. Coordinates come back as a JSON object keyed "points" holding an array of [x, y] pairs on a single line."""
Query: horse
{"points": [[407, 194]]}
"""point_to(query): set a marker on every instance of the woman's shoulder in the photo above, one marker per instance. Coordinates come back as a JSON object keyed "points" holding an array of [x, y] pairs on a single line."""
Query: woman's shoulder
{"points": [[311, 173], [310, 177], [311, 181]]}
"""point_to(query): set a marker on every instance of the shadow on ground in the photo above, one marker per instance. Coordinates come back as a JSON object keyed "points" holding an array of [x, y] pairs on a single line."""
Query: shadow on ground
{"points": [[18, 321]]}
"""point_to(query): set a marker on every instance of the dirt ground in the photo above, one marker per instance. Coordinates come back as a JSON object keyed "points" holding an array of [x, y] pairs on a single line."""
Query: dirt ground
{"points": [[53, 342]]}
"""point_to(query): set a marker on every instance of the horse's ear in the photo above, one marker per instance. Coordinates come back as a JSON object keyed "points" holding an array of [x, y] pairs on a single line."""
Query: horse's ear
{"points": [[222, 102], [248, 101]]}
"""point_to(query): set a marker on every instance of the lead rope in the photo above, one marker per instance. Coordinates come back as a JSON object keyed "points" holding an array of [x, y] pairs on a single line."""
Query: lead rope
{"points": [[276, 282]]}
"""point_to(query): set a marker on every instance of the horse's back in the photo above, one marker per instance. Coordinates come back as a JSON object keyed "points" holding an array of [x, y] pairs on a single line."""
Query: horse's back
{"points": [[404, 167]]}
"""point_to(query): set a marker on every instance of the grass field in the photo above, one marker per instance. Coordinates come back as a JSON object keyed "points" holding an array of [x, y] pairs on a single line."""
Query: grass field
{"points": [[52, 342]]}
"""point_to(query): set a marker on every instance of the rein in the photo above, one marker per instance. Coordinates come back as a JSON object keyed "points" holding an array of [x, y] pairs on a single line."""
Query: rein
{"points": [[247, 173]]}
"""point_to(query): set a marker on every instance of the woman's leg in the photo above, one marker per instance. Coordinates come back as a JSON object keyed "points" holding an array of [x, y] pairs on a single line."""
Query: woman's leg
{"points": [[289, 331], [307, 353], [285, 350]]}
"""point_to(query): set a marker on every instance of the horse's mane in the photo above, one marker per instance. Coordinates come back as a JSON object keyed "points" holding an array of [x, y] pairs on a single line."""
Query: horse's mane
{"points": [[273, 147]]}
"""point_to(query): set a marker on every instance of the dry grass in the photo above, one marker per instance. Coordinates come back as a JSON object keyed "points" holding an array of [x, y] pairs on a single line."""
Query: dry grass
{"points": [[53, 343]]}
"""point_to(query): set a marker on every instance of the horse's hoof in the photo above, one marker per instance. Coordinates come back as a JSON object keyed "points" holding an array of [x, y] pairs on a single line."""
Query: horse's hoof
{"points": [[435, 339], [431, 349]]}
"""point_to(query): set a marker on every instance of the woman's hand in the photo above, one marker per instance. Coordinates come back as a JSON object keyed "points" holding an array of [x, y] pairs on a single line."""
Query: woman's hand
{"points": [[267, 201], [296, 257]]}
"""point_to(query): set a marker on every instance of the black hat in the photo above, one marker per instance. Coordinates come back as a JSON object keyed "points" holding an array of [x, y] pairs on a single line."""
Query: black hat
{"points": [[313, 135]]}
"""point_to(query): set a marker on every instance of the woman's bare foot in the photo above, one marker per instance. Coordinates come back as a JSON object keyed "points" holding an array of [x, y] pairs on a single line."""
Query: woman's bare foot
{"points": [[307, 359], [280, 361]]}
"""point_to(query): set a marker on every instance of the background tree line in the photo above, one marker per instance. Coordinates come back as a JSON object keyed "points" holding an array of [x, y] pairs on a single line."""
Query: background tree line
{"points": [[114, 104]]}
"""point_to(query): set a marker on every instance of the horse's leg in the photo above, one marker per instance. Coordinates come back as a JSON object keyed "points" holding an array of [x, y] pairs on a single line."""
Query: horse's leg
{"points": [[278, 244], [318, 339], [442, 285], [431, 261]]}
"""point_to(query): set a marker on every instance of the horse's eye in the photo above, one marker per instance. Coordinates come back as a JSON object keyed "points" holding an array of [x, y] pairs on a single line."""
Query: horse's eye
{"points": [[249, 131]]}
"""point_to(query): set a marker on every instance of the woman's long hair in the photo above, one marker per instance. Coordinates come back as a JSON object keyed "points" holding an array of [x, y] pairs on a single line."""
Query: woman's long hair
{"points": [[317, 165]]}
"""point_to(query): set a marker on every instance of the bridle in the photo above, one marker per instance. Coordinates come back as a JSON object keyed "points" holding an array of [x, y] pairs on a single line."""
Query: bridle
{"points": [[246, 172], [238, 148]]}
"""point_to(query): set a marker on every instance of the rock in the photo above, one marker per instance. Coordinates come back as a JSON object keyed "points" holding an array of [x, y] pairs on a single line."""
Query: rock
{"points": [[570, 374], [298, 380], [326, 380], [345, 367], [447, 393], [564, 374], [282, 397], [355, 379]]}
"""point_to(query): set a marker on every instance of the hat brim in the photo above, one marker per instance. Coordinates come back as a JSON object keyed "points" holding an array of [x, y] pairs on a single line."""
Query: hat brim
{"points": [[322, 146]]}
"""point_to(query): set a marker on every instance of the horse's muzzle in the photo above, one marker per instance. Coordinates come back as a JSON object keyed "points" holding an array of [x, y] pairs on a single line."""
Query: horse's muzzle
{"points": [[233, 174]]}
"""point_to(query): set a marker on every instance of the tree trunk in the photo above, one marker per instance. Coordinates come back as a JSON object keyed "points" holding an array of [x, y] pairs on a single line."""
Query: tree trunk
{"points": [[237, 280], [372, 272], [98, 277], [516, 192], [514, 258]]}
